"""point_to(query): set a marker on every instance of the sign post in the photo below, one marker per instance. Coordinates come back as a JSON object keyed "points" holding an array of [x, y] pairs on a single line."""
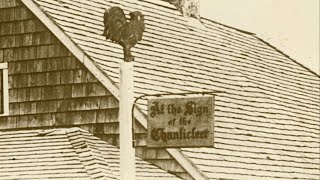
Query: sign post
{"points": [[180, 122], [127, 151], [127, 34]]}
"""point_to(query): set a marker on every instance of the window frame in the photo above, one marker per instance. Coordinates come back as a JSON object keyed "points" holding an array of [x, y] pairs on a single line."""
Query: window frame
{"points": [[5, 91]]}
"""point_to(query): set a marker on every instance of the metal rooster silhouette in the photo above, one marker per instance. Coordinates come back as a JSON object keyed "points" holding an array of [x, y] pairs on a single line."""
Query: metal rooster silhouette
{"points": [[119, 30]]}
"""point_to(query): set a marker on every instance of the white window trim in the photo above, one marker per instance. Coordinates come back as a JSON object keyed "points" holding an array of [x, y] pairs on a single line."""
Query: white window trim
{"points": [[4, 68]]}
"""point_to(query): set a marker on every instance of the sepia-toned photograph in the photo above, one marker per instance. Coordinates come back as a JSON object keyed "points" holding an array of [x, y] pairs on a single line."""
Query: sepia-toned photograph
{"points": [[159, 90]]}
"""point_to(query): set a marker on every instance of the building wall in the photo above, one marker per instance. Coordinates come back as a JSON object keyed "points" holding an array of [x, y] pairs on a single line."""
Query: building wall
{"points": [[50, 88]]}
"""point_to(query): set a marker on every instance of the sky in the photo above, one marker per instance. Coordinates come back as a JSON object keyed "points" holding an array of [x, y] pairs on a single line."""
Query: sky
{"points": [[290, 25]]}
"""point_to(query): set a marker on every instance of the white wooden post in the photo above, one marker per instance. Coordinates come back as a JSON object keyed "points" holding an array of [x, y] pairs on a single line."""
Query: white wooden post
{"points": [[127, 151]]}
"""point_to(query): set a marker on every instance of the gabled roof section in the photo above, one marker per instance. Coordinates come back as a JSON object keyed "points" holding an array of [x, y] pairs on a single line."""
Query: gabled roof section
{"points": [[64, 154], [36, 155], [267, 116]]}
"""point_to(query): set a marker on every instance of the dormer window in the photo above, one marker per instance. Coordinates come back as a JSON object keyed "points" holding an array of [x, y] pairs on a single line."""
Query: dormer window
{"points": [[4, 96]]}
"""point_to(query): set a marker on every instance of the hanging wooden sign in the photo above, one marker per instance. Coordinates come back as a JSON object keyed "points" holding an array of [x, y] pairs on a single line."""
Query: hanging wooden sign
{"points": [[180, 122]]}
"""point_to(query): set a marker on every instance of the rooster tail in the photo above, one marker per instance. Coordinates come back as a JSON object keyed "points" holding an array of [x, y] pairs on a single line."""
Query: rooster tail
{"points": [[106, 25], [114, 20]]}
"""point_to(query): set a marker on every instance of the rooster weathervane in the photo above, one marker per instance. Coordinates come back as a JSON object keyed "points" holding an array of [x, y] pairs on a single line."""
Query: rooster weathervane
{"points": [[123, 32]]}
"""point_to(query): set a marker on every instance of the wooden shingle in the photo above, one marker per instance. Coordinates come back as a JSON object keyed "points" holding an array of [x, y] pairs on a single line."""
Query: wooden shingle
{"points": [[27, 39], [22, 13], [8, 54], [22, 121], [42, 107], [1, 56], [13, 94], [41, 79], [53, 78], [14, 108], [35, 94], [77, 90], [67, 77], [47, 120], [9, 3], [43, 51], [12, 122]]}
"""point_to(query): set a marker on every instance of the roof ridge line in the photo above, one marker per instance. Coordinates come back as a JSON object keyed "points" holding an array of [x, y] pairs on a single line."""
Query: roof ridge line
{"points": [[234, 28], [76, 149], [265, 42], [284, 54], [91, 145], [85, 147]]}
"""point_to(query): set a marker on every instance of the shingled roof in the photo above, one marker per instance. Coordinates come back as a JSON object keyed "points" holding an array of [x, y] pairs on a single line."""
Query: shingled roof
{"points": [[267, 114], [64, 154]]}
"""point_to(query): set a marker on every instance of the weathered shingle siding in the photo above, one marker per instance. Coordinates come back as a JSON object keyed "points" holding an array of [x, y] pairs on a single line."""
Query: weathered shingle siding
{"points": [[49, 87]]}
